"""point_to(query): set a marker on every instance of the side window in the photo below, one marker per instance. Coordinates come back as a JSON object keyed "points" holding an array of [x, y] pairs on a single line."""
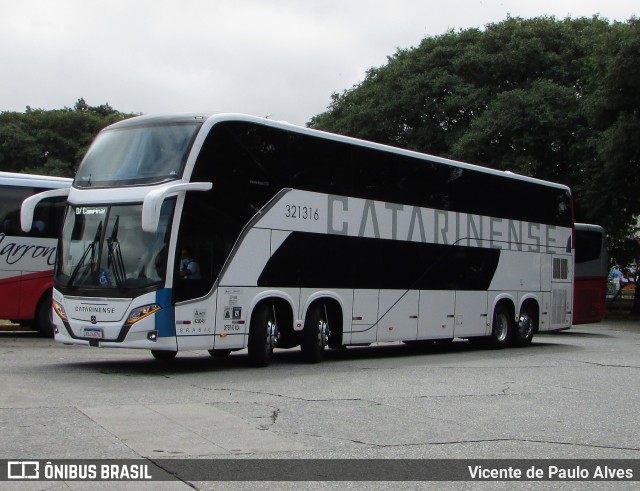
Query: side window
{"points": [[248, 165], [372, 178], [11, 198], [48, 216], [322, 166], [588, 246]]}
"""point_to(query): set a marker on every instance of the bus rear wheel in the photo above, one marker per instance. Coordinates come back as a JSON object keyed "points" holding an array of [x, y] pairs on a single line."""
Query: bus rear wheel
{"points": [[523, 330], [263, 332], [315, 334]]}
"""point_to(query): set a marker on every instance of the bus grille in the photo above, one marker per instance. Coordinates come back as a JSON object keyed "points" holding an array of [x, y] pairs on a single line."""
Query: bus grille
{"points": [[558, 306]]}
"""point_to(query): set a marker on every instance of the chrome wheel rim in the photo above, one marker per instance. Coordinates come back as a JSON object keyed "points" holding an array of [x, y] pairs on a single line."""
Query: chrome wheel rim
{"points": [[502, 327], [525, 326]]}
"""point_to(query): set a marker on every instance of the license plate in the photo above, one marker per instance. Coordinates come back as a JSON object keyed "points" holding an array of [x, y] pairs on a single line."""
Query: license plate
{"points": [[92, 332]]}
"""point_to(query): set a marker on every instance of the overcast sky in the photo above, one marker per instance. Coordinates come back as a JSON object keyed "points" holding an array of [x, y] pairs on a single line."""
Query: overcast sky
{"points": [[276, 58]]}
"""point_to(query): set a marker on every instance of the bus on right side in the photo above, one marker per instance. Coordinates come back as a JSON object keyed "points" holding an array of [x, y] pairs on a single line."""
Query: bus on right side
{"points": [[591, 271]]}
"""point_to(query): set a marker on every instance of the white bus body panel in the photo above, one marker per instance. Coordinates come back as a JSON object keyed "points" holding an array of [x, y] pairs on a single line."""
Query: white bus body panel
{"points": [[398, 315], [437, 313], [518, 271], [231, 323], [364, 316], [471, 314], [195, 323], [249, 259]]}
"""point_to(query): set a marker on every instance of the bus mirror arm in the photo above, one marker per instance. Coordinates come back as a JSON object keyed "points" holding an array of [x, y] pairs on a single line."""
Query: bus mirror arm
{"points": [[29, 206], [153, 201]]}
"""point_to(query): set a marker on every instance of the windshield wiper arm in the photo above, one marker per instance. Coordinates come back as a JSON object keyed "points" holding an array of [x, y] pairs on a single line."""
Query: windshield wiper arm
{"points": [[115, 261], [91, 248]]}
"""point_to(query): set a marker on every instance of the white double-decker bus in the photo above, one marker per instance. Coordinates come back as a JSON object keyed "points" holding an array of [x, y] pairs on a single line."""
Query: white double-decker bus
{"points": [[224, 232]]}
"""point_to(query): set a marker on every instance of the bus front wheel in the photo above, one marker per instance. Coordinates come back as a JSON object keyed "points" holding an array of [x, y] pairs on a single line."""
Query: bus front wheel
{"points": [[44, 320], [262, 335], [163, 355]]}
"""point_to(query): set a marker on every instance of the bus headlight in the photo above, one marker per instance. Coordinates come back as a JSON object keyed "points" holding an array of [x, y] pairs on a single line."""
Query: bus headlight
{"points": [[59, 309], [142, 312]]}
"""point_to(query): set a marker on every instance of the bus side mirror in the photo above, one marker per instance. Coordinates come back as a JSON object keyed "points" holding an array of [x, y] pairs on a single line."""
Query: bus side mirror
{"points": [[29, 206], [153, 201]]}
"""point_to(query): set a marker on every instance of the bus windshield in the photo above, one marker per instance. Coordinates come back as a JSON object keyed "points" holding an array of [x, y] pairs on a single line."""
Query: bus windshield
{"points": [[105, 247], [133, 155]]}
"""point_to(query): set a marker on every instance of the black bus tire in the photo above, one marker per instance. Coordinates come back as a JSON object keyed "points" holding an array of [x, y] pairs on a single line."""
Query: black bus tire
{"points": [[314, 334], [523, 329], [501, 327], [44, 319], [163, 355], [262, 335]]}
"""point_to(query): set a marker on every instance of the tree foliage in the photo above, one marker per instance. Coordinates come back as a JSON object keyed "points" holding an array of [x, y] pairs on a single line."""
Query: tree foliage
{"points": [[51, 142], [554, 99]]}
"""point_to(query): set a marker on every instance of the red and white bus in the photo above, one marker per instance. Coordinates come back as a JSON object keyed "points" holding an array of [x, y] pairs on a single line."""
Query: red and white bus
{"points": [[591, 270], [27, 258]]}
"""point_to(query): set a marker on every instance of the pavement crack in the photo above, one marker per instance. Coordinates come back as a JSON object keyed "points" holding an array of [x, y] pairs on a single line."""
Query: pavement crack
{"points": [[507, 388], [576, 389], [574, 444], [272, 419], [462, 442], [288, 397], [609, 365]]}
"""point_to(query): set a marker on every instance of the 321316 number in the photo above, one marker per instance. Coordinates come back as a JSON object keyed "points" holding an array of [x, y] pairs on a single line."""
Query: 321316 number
{"points": [[301, 212]]}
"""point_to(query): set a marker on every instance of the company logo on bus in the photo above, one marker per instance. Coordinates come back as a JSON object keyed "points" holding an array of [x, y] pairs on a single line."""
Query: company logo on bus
{"points": [[83, 210]]}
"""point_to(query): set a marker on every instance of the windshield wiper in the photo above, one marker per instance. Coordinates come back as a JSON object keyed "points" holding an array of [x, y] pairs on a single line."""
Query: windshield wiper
{"points": [[115, 261], [91, 248]]}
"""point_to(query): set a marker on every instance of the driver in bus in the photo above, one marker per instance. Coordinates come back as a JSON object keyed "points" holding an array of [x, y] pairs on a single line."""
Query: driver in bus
{"points": [[189, 268]]}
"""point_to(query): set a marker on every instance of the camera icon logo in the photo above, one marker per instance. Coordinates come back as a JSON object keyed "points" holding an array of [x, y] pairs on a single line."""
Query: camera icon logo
{"points": [[23, 469]]}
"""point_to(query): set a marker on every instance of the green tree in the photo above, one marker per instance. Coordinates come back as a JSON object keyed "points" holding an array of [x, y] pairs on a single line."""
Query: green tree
{"points": [[51, 142], [612, 167], [530, 131], [426, 98], [17, 144]]}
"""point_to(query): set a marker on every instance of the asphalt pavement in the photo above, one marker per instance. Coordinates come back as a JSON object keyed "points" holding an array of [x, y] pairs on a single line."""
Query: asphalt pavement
{"points": [[571, 395]]}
